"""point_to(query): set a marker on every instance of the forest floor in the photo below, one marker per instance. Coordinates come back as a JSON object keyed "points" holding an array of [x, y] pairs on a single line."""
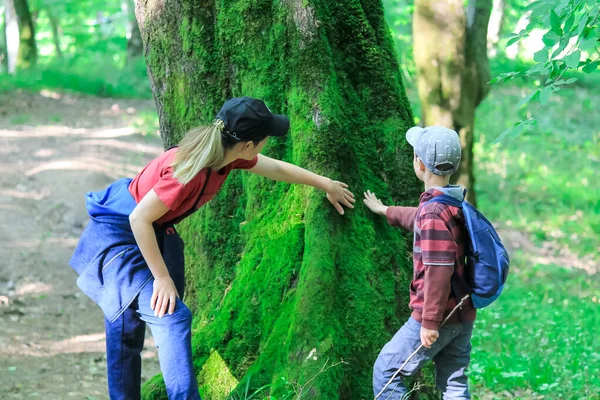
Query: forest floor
{"points": [[54, 149]]}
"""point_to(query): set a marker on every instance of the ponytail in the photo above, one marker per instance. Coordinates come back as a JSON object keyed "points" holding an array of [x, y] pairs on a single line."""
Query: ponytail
{"points": [[201, 147]]}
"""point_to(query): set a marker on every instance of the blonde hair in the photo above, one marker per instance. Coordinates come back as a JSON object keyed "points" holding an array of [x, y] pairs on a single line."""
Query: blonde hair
{"points": [[201, 147]]}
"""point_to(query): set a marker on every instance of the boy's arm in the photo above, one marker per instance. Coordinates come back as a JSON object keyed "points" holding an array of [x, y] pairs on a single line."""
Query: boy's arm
{"points": [[396, 216], [403, 217], [439, 253]]}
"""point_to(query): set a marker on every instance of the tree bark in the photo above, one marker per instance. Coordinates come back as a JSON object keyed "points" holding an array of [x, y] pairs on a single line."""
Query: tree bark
{"points": [[279, 283], [3, 48], [495, 26], [55, 27], [134, 42], [11, 26], [453, 70], [134, 38], [27, 53]]}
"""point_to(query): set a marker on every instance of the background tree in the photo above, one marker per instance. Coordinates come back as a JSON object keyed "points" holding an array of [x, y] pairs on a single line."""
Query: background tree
{"points": [[20, 35], [55, 28], [452, 69], [132, 30], [279, 284]]}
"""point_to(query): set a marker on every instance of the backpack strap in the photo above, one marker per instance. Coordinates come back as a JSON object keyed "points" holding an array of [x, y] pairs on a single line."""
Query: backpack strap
{"points": [[455, 283]]}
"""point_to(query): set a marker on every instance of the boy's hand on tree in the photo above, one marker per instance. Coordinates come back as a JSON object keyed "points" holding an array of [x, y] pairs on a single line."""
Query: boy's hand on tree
{"points": [[164, 296], [428, 337], [374, 204], [338, 194]]}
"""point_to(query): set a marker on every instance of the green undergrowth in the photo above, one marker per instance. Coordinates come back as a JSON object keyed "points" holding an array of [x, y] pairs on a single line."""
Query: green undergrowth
{"points": [[94, 75], [544, 181], [537, 341]]}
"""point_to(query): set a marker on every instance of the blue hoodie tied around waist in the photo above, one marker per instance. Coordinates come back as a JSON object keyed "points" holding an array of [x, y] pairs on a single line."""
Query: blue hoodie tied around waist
{"points": [[111, 268]]}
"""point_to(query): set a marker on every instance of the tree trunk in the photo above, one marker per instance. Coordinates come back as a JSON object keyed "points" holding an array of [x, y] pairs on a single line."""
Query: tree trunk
{"points": [[20, 35], [134, 38], [27, 48], [495, 26], [3, 51], [453, 70], [55, 27], [134, 42], [11, 29], [279, 283]]}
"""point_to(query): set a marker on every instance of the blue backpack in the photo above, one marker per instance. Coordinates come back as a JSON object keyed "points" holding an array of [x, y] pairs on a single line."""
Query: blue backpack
{"points": [[487, 259]]}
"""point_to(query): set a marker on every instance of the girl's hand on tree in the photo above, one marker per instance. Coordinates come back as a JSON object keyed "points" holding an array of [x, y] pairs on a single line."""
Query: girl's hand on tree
{"points": [[338, 194], [164, 296], [374, 204]]}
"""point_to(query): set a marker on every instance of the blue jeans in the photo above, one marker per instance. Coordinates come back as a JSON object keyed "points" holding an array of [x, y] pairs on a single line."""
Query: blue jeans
{"points": [[451, 354], [172, 336]]}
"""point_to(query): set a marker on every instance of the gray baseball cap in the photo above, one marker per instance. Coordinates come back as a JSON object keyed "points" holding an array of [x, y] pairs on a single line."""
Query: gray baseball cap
{"points": [[437, 147]]}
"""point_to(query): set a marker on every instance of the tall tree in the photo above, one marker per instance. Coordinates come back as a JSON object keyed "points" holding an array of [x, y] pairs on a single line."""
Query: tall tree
{"points": [[496, 26], [55, 28], [450, 52], [132, 31], [278, 283], [20, 35]]}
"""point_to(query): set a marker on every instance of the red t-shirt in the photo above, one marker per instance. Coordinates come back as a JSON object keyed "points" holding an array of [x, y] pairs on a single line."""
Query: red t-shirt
{"points": [[158, 175]]}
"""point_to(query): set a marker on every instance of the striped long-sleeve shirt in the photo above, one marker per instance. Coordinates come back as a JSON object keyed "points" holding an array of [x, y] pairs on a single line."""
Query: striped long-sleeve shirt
{"points": [[438, 253]]}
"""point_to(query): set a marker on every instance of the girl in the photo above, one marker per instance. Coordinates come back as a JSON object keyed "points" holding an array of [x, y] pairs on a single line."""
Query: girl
{"points": [[130, 258]]}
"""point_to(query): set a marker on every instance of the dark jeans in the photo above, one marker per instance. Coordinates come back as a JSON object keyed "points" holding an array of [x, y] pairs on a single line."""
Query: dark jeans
{"points": [[172, 336], [451, 354]]}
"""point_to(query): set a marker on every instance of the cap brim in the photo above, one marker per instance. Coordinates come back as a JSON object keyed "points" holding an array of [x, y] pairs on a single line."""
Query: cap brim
{"points": [[279, 126], [412, 134]]}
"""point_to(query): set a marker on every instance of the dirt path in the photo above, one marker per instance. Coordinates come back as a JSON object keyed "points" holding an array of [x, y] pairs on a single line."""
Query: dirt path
{"points": [[54, 149]]}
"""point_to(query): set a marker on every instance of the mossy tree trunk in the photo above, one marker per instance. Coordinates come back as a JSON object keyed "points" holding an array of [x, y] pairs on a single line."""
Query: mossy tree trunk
{"points": [[20, 35], [279, 283], [452, 66]]}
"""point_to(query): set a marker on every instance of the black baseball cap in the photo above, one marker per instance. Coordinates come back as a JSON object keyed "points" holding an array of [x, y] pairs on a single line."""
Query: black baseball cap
{"points": [[246, 118]]}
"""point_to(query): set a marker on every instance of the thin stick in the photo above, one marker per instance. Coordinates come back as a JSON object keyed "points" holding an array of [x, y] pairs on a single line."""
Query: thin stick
{"points": [[421, 346]]}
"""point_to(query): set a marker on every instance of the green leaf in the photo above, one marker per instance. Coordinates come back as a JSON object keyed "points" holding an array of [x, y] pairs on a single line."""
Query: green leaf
{"points": [[513, 40], [569, 22], [550, 39], [535, 4], [570, 80], [560, 48], [590, 67], [545, 94], [562, 6], [541, 56], [527, 99], [572, 60], [555, 23], [513, 130], [582, 24]]}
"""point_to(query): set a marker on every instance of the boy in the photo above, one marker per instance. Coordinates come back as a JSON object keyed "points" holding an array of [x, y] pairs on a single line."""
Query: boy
{"points": [[439, 262]]}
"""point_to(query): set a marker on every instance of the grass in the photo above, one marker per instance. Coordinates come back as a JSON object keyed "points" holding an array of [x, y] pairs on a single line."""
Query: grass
{"points": [[537, 341], [543, 182], [94, 75]]}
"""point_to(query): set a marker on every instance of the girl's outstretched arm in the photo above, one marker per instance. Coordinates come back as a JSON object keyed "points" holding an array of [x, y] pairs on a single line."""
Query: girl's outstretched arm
{"points": [[337, 192]]}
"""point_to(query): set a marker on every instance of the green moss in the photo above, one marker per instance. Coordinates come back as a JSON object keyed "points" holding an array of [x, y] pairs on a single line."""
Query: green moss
{"points": [[273, 273], [154, 389], [215, 379]]}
